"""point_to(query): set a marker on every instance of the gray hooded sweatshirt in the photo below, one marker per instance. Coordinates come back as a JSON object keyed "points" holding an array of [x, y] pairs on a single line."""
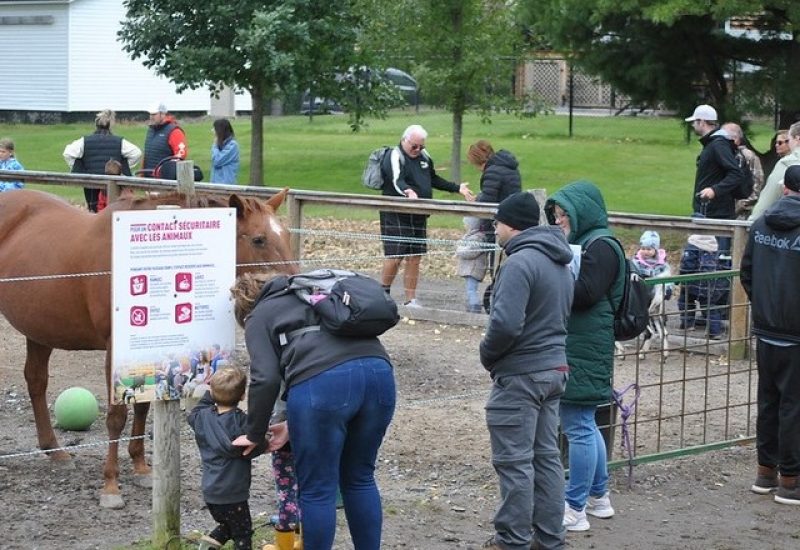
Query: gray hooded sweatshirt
{"points": [[531, 301]]}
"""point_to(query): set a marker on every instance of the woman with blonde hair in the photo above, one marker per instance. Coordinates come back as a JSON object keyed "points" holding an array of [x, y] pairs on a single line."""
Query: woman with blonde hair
{"points": [[90, 154]]}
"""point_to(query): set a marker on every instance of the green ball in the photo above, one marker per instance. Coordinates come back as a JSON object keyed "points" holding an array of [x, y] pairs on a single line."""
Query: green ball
{"points": [[76, 409]]}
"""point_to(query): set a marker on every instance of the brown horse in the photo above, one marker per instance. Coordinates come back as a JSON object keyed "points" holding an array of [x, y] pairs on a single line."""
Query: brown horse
{"points": [[42, 235]]}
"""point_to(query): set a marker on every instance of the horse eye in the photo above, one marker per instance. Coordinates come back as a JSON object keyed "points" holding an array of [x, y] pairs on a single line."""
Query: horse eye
{"points": [[261, 240]]}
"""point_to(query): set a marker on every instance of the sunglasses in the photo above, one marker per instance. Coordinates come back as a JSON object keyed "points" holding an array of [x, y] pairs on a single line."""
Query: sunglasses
{"points": [[415, 147], [781, 141]]}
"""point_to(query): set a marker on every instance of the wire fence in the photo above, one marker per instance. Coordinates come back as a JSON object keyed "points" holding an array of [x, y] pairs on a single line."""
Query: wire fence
{"points": [[695, 389]]}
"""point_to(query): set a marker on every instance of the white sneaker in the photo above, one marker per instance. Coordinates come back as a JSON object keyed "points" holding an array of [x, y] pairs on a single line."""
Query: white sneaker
{"points": [[412, 303], [575, 521], [600, 507]]}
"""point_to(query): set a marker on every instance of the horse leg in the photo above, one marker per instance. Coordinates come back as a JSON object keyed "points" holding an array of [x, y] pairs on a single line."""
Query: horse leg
{"points": [[142, 471], [36, 377], [110, 496]]}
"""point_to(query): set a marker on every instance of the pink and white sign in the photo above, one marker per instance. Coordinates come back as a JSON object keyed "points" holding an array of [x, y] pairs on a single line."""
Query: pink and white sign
{"points": [[172, 271]]}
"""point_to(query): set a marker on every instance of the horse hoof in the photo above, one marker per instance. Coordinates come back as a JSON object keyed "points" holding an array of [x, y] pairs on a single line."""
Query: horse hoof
{"points": [[144, 481], [111, 502], [63, 464]]}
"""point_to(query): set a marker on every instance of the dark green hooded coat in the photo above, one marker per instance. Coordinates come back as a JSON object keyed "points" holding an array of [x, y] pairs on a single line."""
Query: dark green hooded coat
{"points": [[590, 332]]}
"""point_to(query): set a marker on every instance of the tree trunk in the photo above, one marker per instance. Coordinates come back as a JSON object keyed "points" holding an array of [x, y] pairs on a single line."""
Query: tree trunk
{"points": [[455, 153], [257, 136], [789, 112]]}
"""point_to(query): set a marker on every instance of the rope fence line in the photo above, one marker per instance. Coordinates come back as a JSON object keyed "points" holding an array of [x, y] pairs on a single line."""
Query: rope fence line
{"points": [[81, 446], [487, 247]]}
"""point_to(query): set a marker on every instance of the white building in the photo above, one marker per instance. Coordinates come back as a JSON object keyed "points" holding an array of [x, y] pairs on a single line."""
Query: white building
{"points": [[63, 56]]}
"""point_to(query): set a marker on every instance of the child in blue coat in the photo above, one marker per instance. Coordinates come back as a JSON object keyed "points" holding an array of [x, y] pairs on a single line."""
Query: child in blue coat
{"points": [[9, 162]]}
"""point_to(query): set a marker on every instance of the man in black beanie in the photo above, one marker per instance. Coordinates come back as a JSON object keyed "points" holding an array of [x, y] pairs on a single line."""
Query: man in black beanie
{"points": [[770, 264], [524, 350]]}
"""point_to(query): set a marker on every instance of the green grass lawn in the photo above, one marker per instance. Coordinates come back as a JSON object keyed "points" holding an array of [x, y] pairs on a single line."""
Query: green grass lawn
{"points": [[642, 164]]}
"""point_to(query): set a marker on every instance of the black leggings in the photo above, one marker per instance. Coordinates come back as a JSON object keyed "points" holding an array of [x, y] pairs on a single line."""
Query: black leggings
{"points": [[234, 522]]}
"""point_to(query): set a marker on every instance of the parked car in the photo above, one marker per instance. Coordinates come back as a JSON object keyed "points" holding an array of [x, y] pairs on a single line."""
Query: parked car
{"points": [[405, 83], [320, 106], [401, 80]]}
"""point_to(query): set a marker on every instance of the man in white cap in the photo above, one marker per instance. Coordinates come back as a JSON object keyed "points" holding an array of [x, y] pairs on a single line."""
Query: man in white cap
{"points": [[718, 173], [164, 138]]}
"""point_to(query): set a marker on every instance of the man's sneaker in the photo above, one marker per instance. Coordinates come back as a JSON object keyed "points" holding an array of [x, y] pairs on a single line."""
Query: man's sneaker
{"points": [[766, 480], [412, 303], [491, 545], [574, 520], [600, 507], [789, 491]]}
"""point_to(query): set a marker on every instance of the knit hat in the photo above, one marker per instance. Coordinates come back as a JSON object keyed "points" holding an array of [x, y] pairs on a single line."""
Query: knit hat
{"points": [[707, 243], [791, 178], [650, 239], [518, 211]]}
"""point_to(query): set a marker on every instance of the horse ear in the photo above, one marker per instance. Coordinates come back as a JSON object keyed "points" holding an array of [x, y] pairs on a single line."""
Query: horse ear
{"points": [[236, 202], [276, 200]]}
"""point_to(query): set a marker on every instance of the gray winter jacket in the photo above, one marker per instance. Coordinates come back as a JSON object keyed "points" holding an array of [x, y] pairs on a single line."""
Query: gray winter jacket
{"points": [[531, 301]]}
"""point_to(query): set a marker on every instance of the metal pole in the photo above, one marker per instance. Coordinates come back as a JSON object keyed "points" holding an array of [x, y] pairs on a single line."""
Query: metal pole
{"points": [[571, 96]]}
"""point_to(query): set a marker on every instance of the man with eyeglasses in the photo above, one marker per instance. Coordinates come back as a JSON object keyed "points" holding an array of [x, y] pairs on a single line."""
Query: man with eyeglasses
{"points": [[750, 164], [408, 172], [773, 189]]}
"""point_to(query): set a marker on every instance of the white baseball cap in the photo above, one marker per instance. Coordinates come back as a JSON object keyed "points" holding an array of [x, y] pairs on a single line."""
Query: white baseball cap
{"points": [[703, 112], [157, 107]]}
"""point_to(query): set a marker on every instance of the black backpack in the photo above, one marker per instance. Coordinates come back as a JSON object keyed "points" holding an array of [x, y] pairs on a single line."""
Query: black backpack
{"points": [[347, 303], [632, 314], [745, 188]]}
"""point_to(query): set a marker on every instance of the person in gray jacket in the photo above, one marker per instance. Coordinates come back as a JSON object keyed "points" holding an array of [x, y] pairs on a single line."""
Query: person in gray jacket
{"points": [[524, 350], [217, 421]]}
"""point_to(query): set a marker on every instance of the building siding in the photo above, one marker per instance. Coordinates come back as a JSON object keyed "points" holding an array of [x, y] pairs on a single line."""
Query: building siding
{"points": [[77, 65], [35, 58], [101, 73]]}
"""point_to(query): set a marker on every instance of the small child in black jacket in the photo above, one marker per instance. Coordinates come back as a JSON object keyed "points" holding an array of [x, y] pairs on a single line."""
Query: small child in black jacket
{"points": [[217, 421]]}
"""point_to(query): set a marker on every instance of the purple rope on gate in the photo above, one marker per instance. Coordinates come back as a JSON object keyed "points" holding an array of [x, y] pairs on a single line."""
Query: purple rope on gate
{"points": [[626, 411]]}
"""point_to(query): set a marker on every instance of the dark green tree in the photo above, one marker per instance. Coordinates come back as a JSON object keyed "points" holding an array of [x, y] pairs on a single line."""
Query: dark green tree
{"points": [[677, 52], [263, 46]]}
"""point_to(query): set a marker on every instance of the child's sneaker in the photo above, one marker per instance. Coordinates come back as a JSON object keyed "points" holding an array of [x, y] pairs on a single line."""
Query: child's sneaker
{"points": [[600, 507], [574, 520]]}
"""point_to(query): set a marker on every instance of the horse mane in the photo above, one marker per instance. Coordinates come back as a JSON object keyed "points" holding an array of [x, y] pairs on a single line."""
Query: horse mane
{"points": [[200, 200], [203, 200]]}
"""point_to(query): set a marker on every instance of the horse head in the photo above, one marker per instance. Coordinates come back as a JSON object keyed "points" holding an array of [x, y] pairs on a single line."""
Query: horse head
{"points": [[261, 238], [262, 241]]}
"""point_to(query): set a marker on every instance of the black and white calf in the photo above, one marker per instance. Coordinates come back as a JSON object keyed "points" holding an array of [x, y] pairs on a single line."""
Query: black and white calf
{"points": [[657, 327]]}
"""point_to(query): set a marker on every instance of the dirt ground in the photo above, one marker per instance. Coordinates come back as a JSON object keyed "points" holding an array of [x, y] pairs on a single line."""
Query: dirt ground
{"points": [[438, 487]]}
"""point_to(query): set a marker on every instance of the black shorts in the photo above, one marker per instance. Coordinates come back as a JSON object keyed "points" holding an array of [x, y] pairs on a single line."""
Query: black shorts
{"points": [[404, 234]]}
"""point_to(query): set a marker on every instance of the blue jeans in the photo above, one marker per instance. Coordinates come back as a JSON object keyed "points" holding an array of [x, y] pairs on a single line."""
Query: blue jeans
{"points": [[588, 469], [522, 416], [473, 298], [337, 420]]}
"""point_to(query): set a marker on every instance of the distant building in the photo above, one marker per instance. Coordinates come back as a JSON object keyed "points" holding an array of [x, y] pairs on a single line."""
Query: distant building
{"points": [[62, 59]]}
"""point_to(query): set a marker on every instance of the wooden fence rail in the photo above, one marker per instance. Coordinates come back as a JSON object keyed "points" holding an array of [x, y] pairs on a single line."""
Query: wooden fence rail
{"points": [[297, 200]]}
